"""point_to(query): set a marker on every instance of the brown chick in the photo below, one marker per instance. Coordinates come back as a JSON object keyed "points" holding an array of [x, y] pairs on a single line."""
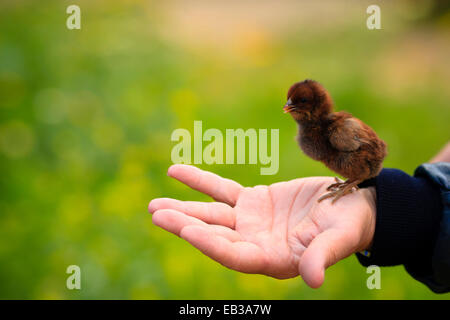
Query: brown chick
{"points": [[342, 142]]}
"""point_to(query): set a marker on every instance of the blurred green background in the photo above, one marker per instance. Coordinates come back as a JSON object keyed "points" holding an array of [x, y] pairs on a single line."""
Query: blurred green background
{"points": [[86, 117]]}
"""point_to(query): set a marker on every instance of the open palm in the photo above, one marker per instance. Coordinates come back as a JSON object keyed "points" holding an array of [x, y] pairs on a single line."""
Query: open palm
{"points": [[278, 230]]}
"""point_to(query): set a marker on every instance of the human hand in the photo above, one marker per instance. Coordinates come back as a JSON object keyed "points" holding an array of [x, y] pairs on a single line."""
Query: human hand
{"points": [[278, 230]]}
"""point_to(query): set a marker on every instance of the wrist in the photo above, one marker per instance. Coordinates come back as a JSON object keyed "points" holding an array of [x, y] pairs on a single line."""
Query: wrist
{"points": [[369, 195]]}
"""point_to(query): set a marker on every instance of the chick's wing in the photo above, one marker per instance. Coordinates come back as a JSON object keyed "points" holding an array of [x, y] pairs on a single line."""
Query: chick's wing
{"points": [[347, 135]]}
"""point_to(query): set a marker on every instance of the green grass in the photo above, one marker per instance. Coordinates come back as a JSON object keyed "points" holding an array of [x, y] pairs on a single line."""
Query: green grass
{"points": [[86, 118]]}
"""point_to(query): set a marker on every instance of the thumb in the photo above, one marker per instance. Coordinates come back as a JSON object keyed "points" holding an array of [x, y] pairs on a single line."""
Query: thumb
{"points": [[326, 249]]}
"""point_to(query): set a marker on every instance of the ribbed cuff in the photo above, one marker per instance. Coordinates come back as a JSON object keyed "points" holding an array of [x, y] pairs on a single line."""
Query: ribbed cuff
{"points": [[408, 215]]}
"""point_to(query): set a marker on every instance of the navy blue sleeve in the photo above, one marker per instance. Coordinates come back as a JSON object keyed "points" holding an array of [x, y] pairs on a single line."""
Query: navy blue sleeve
{"points": [[409, 211]]}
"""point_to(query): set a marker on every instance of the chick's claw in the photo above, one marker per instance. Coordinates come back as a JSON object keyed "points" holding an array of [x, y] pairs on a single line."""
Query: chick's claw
{"points": [[337, 185], [327, 195], [338, 180], [339, 191]]}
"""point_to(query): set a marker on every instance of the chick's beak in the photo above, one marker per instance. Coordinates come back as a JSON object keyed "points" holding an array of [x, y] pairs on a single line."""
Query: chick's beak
{"points": [[288, 107]]}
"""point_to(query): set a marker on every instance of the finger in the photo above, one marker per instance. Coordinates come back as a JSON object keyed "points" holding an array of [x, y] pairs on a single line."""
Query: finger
{"points": [[220, 189], [325, 249], [174, 221], [210, 212], [240, 256]]}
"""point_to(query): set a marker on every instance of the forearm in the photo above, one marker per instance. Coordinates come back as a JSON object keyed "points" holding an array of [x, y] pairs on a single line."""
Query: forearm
{"points": [[443, 155], [409, 212]]}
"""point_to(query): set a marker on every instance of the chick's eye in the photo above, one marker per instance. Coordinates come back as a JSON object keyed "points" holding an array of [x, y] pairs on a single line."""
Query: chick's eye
{"points": [[303, 100]]}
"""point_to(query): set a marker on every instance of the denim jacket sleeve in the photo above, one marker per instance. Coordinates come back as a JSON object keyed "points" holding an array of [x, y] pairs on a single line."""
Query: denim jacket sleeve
{"points": [[413, 224]]}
